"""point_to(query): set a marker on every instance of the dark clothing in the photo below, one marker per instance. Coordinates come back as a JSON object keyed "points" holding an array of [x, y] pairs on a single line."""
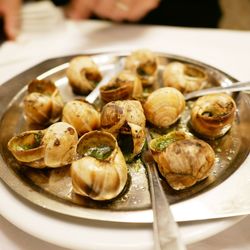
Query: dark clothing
{"points": [[189, 13]]}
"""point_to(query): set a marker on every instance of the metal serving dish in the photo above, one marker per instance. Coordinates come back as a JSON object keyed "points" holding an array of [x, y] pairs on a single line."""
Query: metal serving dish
{"points": [[51, 188]]}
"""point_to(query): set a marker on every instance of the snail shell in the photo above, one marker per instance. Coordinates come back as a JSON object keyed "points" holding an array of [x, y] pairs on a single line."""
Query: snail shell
{"points": [[125, 85], [28, 148], [184, 77], [60, 141], [43, 104], [83, 74], [182, 160], [144, 63], [125, 117], [52, 147], [164, 106], [101, 171], [81, 115], [212, 115]]}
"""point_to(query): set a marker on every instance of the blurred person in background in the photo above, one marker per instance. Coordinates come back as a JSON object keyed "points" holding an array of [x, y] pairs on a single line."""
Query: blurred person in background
{"points": [[189, 13]]}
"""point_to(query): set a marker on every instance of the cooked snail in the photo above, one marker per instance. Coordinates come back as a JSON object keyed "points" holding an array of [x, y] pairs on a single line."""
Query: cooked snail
{"points": [[52, 147], [100, 171], [83, 74], [43, 104], [60, 140], [144, 63], [164, 106], [125, 85], [182, 160], [28, 148], [212, 115], [126, 121], [184, 77], [81, 115]]}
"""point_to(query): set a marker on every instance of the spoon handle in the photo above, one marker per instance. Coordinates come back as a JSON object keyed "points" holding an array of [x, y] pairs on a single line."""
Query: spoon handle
{"points": [[240, 86]]}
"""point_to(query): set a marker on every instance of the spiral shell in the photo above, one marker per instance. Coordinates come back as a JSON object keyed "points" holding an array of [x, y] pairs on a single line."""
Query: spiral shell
{"points": [[83, 74], [125, 85], [81, 115], [212, 115], [43, 104], [125, 117], [60, 141], [100, 178], [182, 160], [144, 63], [184, 77], [164, 106], [52, 147], [27, 148]]}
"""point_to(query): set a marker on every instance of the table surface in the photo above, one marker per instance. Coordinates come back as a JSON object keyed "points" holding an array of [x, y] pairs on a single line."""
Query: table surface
{"points": [[226, 50]]}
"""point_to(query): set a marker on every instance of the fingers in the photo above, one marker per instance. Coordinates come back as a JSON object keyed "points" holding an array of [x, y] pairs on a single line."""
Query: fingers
{"points": [[78, 9], [119, 10], [139, 9], [10, 9]]}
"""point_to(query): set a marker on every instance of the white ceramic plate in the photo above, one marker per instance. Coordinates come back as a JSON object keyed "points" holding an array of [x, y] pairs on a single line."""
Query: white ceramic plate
{"points": [[75, 233]]}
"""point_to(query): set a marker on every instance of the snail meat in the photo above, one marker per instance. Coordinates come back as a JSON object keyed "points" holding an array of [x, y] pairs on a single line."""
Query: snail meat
{"points": [[60, 141], [28, 148], [125, 118], [100, 172], [184, 77], [43, 104], [144, 63], [81, 115], [212, 115], [182, 160], [83, 74], [164, 106], [125, 85]]}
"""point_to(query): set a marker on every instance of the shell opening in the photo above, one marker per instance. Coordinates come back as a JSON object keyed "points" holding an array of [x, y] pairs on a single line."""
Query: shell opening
{"points": [[96, 144], [194, 72]]}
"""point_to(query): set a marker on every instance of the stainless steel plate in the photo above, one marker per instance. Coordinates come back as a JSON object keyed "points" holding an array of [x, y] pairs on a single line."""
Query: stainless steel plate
{"points": [[51, 188]]}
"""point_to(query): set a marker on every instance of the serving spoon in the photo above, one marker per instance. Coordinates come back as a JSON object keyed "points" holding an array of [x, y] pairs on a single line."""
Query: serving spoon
{"points": [[239, 86]]}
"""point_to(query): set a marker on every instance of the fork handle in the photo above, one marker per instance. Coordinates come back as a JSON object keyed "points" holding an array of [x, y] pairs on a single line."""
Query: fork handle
{"points": [[240, 86], [166, 231]]}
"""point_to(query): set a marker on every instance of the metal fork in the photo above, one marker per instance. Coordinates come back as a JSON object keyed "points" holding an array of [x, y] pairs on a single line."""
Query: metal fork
{"points": [[166, 231], [239, 86]]}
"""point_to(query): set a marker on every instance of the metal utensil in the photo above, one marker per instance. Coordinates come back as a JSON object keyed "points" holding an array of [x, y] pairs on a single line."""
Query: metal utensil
{"points": [[240, 86], [166, 231]]}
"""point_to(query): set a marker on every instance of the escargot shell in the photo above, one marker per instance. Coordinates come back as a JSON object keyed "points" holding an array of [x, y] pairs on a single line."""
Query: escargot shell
{"points": [[164, 106], [125, 117], [182, 160], [81, 115], [184, 77], [100, 171], [212, 115], [60, 141], [52, 147], [27, 148], [144, 63], [83, 74], [43, 104], [125, 85]]}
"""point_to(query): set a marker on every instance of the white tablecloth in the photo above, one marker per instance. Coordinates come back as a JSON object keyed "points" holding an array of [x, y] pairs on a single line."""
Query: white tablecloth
{"points": [[227, 50]]}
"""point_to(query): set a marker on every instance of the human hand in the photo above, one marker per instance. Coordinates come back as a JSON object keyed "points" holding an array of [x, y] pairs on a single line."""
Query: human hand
{"points": [[78, 9], [10, 9], [116, 10]]}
